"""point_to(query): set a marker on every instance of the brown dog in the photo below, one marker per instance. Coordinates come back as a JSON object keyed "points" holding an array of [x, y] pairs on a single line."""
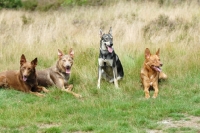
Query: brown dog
{"points": [[151, 72], [59, 74], [23, 80]]}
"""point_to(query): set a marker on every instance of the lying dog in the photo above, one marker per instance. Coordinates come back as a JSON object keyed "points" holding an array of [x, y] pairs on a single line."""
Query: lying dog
{"points": [[59, 74], [151, 72], [109, 65], [23, 80]]}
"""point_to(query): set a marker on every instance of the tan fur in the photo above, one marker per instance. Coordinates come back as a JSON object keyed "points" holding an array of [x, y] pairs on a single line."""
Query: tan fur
{"points": [[150, 72], [58, 75], [23, 80]]}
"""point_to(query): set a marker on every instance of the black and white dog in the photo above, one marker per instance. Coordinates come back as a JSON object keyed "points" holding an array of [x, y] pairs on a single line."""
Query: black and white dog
{"points": [[110, 67]]}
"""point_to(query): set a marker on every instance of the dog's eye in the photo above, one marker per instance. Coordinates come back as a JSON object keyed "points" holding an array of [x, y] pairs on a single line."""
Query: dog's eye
{"points": [[64, 60]]}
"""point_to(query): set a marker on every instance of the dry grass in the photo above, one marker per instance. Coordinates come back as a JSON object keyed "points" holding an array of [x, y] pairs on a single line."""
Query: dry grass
{"points": [[135, 27], [33, 33]]}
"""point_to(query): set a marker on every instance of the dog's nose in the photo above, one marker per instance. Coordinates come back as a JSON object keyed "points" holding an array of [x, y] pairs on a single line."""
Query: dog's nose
{"points": [[161, 64]]}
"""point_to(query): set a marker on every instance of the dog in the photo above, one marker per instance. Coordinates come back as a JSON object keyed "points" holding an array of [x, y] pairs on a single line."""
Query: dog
{"points": [[151, 73], [23, 80], [109, 65], [59, 74]]}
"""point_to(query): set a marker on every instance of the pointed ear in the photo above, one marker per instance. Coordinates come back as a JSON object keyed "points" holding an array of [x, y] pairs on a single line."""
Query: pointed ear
{"points": [[22, 60], [60, 53], [34, 62], [110, 31], [71, 53], [158, 52], [100, 32], [147, 53]]}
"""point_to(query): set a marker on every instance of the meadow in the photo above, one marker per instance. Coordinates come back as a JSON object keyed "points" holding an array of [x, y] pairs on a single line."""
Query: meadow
{"points": [[136, 26]]}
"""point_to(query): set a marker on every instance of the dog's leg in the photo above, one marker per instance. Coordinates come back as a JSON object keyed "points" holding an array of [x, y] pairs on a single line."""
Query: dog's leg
{"points": [[37, 94], [146, 85], [69, 87], [115, 77], [99, 77], [43, 89], [162, 75], [3, 82], [146, 91], [68, 90], [155, 86]]}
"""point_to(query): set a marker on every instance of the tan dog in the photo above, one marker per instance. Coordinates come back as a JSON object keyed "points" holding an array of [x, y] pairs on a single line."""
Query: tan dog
{"points": [[151, 72], [23, 80], [59, 74]]}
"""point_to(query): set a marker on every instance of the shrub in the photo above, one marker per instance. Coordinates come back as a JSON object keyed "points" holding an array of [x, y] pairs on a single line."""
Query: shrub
{"points": [[10, 3]]}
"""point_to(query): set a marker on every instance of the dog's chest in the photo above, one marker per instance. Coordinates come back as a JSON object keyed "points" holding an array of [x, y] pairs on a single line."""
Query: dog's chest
{"points": [[105, 62], [65, 77]]}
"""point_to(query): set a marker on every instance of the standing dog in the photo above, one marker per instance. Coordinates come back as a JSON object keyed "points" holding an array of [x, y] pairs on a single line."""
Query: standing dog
{"points": [[59, 74], [151, 72], [23, 80], [109, 65]]}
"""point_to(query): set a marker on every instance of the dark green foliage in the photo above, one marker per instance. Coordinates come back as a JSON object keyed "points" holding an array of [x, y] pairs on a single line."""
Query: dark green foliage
{"points": [[30, 5], [45, 5], [10, 3]]}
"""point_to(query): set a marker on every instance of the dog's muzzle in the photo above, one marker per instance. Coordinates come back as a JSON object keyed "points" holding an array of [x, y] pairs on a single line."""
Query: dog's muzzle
{"points": [[68, 69]]}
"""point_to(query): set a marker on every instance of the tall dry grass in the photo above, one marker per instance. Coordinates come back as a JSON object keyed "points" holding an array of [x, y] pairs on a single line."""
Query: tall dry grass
{"points": [[40, 34]]}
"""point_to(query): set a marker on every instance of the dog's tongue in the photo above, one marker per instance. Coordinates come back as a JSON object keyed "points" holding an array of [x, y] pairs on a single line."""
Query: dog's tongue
{"points": [[68, 71], [158, 69], [110, 50], [24, 78]]}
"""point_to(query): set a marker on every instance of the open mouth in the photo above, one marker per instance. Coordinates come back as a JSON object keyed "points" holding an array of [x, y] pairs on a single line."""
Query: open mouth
{"points": [[68, 69], [24, 78], [156, 68], [110, 49]]}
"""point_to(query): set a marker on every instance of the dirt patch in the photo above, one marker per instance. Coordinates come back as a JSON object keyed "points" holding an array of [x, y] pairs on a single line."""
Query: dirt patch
{"points": [[48, 125], [191, 122]]}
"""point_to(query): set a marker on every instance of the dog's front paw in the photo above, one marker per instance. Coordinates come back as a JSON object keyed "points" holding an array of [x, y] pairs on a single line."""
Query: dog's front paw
{"points": [[154, 96], [78, 96], [112, 80], [70, 87], [147, 96], [98, 86]]}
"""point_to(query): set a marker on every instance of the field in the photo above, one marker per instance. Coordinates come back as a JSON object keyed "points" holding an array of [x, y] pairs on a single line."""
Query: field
{"points": [[136, 26]]}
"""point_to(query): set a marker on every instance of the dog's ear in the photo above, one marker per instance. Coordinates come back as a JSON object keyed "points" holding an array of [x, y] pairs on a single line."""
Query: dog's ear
{"points": [[34, 62], [147, 53], [22, 60], [60, 53], [100, 32], [110, 31], [71, 53], [158, 52]]}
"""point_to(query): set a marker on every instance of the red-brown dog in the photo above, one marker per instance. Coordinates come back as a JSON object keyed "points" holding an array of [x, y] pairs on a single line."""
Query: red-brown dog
{"points": [[23, 80], [151, 72]]}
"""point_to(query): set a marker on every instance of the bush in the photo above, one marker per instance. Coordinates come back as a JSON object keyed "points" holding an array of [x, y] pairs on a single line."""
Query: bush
{"points": [[164, 24], [30, 5], [10, 3]]}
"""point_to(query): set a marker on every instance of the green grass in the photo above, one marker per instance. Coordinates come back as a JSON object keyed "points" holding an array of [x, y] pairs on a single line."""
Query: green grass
{"points": [[101, 110]]}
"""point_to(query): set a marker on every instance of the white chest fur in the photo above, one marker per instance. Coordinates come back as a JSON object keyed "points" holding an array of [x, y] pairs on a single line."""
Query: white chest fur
{"points": [[108, 62]]}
